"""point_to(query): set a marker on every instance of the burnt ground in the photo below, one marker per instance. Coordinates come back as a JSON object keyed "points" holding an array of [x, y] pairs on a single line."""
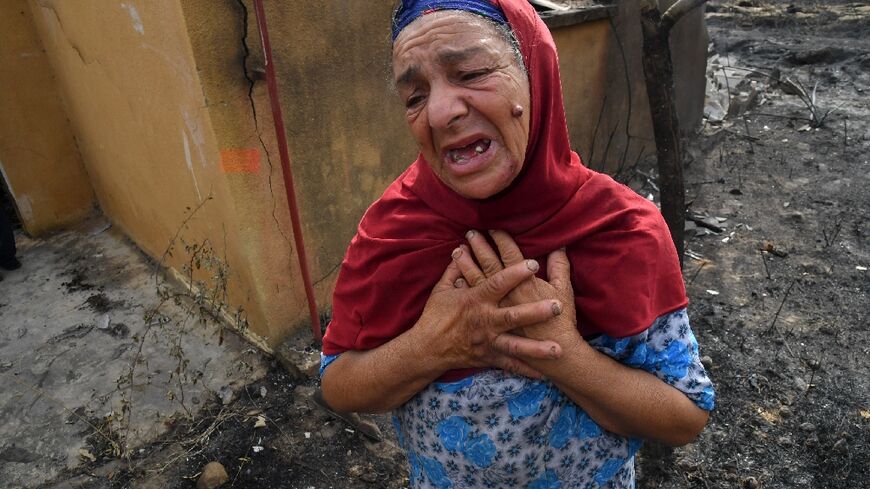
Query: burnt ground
{"points": [[776, 272], [788, 331]]}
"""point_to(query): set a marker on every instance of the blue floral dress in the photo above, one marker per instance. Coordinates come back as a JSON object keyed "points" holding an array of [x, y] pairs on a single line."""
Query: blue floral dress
{"points": [[495, 429]]}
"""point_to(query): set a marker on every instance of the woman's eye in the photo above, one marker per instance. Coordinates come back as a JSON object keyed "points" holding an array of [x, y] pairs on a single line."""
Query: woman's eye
{"points": [[471, 75], [413, 101]]}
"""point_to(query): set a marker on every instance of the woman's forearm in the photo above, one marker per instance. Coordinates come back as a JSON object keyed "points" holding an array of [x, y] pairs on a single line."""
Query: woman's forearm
{"points": [[379, 380], [624, 400], [459, 328]]}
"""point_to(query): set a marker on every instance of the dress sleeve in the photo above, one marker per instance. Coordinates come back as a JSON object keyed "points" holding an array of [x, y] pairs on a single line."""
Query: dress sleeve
{"points": [[667, 349], [325, 360]]}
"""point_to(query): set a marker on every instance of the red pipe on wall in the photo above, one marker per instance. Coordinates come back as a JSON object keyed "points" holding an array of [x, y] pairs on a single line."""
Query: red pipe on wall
{"points": [[285, 166]]}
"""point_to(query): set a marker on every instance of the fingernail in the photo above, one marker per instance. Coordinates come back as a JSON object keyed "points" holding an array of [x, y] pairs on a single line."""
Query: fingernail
{"points": [[458, 283], [469, 234], [557, 308], [456, 253], [553, 352], [491, 231], [533, 265]]}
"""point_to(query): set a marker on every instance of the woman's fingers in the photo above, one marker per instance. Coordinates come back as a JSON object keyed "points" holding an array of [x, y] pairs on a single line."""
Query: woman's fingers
{"points": [[559, 270], [494, 288], [507, 248], [467, 267], [522, 347], [486, 256], [508, 318], [448, 278]]}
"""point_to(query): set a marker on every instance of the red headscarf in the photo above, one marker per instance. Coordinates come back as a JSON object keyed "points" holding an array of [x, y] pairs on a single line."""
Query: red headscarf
{"points": [[624, 267]]}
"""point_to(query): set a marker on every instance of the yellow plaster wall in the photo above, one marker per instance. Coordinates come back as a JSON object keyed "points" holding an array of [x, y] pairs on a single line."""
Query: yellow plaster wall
{"points": [[347, 136], [126, 72], [583, 50], [251, 173], [38, 155], [625, 135]]}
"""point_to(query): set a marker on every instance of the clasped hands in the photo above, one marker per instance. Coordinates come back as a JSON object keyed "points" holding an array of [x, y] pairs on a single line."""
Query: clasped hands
{"points": [[490, 310]]}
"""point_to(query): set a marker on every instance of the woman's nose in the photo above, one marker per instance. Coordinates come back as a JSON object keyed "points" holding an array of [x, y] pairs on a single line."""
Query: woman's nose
{"points": [[446, 106]]}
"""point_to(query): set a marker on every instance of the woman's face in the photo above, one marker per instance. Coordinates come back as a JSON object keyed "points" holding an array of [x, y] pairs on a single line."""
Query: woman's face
{"points": [[460, 83]]}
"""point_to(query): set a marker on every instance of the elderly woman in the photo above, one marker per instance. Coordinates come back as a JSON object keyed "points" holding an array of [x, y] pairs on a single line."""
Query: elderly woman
{"points": [[501, 372]]}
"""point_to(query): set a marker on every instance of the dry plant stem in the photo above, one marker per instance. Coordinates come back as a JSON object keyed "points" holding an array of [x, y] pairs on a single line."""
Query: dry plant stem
{"points": [[127, 399], [700, 267], [168, 251], [781, 304], [727, 84], [817, 115], [628, 112], [591, 160], [198, 440], [831, 238], [618, 173], [206, 297], [810, 383]]}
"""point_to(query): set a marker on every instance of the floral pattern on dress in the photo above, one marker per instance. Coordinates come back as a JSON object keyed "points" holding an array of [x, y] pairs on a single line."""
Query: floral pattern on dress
{"points": [[667, 349], [495, 429]]}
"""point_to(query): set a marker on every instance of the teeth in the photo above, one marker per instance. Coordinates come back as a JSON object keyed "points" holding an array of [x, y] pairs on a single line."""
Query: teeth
{"points": [[479, 148]]}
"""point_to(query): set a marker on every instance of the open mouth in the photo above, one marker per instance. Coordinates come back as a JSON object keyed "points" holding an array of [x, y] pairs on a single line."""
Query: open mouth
{"points": [[466, 153]]}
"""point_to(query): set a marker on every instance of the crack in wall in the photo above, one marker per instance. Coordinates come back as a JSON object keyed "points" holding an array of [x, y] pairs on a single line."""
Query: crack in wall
{"points": [[73, 45], [251, 83], [330, 272], [88, 60]]}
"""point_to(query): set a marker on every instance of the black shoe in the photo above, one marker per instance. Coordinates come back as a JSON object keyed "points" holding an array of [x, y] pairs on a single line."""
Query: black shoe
{"points": [[10, 264]]}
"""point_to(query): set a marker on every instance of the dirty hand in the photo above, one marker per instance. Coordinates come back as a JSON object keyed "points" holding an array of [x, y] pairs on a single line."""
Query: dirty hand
{"points": [[468, 328], [557, 289]]}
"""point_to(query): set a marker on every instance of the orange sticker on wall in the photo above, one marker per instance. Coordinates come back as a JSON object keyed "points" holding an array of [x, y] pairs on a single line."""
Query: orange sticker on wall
{"points": [[240, 160]]}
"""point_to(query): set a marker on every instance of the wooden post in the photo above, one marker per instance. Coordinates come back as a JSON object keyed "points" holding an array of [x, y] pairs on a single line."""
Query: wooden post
{"points": [[658, 70]]}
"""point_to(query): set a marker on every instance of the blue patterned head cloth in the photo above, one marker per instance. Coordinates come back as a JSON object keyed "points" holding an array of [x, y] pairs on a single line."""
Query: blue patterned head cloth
{"points": [[409, 10]]}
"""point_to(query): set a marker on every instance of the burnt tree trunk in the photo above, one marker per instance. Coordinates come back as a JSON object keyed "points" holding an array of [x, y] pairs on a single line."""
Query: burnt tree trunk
{"points": [[658, 70]]}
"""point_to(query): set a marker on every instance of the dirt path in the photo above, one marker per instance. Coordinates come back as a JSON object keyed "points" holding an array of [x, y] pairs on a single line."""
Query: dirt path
{"points": [[779, 291], [87, 362]]}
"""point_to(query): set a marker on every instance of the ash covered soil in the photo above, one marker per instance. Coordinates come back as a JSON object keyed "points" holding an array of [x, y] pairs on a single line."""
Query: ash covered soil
{"points": [[776, 272], [780, 296]]}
